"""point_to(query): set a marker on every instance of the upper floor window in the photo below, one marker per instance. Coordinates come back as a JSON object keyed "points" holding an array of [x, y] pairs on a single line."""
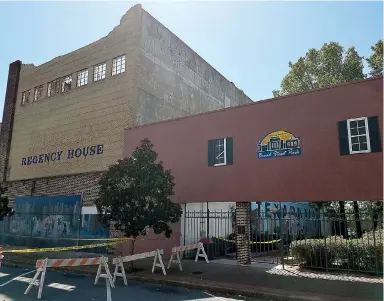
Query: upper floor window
{"points": [[53, 87], [66, 83], [220, 151], [118, 65], [99, 72], [82, 77], [359, 135], [38, 93], [25, 97]]}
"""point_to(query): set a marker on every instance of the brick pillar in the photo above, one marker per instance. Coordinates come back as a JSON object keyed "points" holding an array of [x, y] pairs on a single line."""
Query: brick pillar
{"points": [[8, 117], [243, 220]]}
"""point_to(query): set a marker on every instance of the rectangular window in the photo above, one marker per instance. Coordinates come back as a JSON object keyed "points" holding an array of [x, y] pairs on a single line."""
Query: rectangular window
{"points": [[118, 65], [82, 77], [66, 83], [220, 151], [25, 97], [99, 72], [358, 135], [53, 87], [38, 93]]}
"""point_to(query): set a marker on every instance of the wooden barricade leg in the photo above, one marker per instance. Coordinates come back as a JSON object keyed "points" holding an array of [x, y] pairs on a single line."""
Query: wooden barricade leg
{"points": [[42, 279], [107, 274], [178, 261], [204, 255], [160, 264], [120, 274], [38, 272]]}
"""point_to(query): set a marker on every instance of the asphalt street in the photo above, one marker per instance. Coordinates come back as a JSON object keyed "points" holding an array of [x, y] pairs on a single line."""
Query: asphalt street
{"points": [[61, 286]]}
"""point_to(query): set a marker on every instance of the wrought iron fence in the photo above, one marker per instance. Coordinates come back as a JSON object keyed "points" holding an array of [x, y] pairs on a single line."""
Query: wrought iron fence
{"points": [[296, 234]]}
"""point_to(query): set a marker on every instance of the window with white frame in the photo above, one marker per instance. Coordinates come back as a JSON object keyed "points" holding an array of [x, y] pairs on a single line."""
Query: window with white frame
{"points": [[25, 97], [99, 72], [358, 135], [118, 65], [220, 151], [66, 83], [82, 77], [38, 93]]}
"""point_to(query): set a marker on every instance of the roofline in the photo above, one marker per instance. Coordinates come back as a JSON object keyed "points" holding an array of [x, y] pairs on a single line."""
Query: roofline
{"points": [[258, 102]]}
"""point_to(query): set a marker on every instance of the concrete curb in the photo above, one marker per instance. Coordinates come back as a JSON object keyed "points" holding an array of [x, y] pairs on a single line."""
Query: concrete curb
{"points": [[282, 296]]}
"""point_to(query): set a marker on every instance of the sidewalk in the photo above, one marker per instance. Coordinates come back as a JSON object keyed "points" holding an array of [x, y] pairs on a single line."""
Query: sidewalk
{"points": [[224, 276]]}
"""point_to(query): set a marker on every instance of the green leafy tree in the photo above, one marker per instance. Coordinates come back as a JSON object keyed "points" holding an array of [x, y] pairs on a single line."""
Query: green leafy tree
{"points": [[320, 68], [5, 210], [375, 61], [135, 195]]}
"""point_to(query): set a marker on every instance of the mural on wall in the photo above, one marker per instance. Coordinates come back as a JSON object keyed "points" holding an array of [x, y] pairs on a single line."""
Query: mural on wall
{"points": [[91, 228], [278, 144], [50, 216], [298, 219]]}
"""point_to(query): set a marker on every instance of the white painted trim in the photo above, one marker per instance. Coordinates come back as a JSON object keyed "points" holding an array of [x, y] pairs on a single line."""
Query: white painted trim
{"points": [[88, 210], [367, 135], [225, 153]]}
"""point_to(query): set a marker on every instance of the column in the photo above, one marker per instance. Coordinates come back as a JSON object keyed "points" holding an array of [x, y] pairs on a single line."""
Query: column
{"points": [[243, 220]]}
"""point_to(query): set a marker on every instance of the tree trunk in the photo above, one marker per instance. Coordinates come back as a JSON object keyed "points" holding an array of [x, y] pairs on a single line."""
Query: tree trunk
{"points": [[130, 267], [359, 232], [343, 222]]}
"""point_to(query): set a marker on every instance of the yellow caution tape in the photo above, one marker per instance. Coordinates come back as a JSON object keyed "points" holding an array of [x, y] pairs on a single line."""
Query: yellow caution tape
{"points": [[252, 242], [66, 248], [60, 238]]}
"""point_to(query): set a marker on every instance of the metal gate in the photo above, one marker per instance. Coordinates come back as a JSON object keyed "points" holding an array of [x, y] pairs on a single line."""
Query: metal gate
{"points": [[215, 229]]}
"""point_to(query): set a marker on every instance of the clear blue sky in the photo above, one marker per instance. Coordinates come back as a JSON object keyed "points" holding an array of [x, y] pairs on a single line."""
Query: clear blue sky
{"points": [[250, 43]]}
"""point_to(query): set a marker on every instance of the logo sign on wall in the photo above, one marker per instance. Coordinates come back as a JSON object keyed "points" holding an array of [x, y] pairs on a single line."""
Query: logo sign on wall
{"points": [[278, 144]]}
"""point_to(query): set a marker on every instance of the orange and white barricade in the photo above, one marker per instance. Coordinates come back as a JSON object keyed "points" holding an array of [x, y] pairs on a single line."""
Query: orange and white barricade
{"points": [[43, 264], [176, 253], [1, 256], [119, 263]]}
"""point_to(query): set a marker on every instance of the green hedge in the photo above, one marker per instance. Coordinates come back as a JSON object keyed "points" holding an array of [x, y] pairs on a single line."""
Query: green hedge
{"points": [[364, 254]]}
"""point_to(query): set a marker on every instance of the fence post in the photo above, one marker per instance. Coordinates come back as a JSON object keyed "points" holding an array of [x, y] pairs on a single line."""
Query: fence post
{"points": [[281, 234], [208, 244], [374, 242]]}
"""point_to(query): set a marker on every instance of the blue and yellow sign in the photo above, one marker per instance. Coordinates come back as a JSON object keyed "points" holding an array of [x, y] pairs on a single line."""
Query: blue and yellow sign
{"points": [[278, 144]]}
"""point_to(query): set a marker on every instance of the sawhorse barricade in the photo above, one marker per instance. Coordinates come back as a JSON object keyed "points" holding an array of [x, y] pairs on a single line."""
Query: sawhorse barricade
{"points": [[176, 253], [119, 263], [43, 264]]}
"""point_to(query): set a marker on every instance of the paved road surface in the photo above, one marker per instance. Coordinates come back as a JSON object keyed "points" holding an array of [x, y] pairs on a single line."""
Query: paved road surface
{"points": [[60, 286]]}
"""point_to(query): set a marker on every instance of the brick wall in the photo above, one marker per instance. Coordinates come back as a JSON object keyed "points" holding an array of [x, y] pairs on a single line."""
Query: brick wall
{"points": [[8, 117], [243, 233], [86, 183]]}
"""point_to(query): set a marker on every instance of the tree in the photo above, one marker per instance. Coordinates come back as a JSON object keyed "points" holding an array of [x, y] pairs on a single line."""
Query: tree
{"points": [[135, 195], [5, 210], [320, 68], [375, 61]]}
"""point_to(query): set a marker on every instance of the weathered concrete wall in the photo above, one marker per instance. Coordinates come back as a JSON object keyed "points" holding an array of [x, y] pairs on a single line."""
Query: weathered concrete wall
{"points": [[84, 116], [175, 81]]}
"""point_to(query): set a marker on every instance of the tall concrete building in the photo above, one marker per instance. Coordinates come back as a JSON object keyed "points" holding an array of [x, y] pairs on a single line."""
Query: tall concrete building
{"points": [[63, 121]]}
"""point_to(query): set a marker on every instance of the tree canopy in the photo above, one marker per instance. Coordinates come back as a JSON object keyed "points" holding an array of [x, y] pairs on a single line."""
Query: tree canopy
{"points": [[135, 195], [375, 61], [5, 210], [320, 68]]}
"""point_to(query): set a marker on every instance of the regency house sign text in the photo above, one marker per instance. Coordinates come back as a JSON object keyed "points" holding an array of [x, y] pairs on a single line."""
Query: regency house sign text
{"points": [[61, 155]]}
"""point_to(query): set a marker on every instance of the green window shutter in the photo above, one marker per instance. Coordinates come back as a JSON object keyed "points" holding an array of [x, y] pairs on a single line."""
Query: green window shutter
{"points": [[343, 138], [229, 150], [374, 134], [211, 152]]}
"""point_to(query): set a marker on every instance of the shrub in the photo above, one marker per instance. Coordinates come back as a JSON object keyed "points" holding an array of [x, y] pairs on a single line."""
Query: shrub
{"points": [[364, 254]]}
